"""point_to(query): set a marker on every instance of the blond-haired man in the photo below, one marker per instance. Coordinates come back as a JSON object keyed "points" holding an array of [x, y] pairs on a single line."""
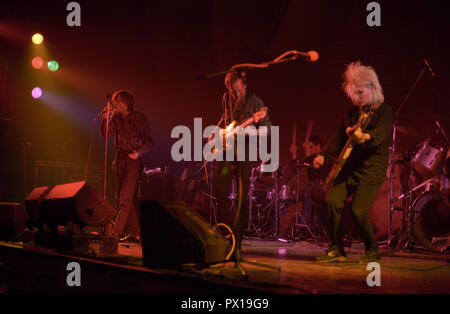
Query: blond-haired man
{"points": [[365, 169]]}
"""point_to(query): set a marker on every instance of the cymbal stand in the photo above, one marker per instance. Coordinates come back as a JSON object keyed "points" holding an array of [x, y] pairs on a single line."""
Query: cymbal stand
{"points": [[276, 201], [303, 224], [251, 199], [408, 215]]}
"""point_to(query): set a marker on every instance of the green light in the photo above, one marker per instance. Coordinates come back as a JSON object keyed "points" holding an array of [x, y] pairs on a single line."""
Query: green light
{"points": [[53, 65]]}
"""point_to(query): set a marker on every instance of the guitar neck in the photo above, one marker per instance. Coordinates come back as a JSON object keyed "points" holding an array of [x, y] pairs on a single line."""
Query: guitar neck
{"points": [[346, 150]]}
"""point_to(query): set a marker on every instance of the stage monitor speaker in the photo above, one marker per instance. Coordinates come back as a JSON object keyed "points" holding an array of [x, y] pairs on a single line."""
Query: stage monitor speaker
{"points": [[77, 200], [33, 205], [12, 221], [173, 234]]}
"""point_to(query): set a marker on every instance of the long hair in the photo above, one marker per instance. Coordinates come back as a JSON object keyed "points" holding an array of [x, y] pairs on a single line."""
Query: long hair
{"points": [[229, 97], [126, 97], [358, 74], [233, 76]]}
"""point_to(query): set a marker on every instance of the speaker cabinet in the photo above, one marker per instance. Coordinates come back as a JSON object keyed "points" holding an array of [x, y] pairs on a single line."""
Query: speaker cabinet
{"points": [[173, 234], [77, 200], [12, 221], [33, 205]]}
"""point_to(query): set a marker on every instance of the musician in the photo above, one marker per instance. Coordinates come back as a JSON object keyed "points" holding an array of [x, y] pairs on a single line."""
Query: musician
{"points": [[132, 139], [239, 104], [365, 169], [312, 191]]}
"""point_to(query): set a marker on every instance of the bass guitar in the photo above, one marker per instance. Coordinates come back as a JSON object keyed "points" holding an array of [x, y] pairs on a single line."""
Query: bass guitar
{"points": [[363, 122]]}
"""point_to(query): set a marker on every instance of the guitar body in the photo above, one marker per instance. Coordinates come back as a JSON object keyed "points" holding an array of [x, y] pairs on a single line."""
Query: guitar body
{"points": [[363, 122], [231, 130]]}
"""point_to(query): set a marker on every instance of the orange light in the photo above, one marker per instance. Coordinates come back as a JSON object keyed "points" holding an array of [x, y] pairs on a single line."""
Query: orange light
{"points": [[37, 62]]}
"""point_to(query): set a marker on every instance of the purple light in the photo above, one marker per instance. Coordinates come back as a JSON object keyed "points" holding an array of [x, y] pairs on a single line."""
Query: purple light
{"points": [[36, 92]]}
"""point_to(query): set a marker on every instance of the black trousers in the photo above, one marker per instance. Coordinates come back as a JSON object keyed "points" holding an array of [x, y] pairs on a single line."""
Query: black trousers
{"points": [[127, 176], [236, 217], [363, 197]]}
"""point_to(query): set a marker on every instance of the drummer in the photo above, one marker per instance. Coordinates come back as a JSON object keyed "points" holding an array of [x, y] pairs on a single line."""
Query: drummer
{"points": [[312, 193], [316, 177]]}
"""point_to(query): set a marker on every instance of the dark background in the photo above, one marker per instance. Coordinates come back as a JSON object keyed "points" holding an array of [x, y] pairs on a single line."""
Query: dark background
{"points": [[156, 48]]}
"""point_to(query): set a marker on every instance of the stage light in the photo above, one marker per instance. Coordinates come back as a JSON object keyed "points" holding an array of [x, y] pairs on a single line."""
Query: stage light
{"points": [[36, 92], [37, 62], [53, 65], [37, 39]]}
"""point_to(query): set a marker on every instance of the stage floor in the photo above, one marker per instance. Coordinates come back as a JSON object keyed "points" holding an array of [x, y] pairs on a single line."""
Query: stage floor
{"points": [[401, 271], [38, 270]]}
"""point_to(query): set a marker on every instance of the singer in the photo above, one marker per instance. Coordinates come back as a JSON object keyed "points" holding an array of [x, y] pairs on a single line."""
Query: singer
{"points": [[365, 170], [131, 132]]}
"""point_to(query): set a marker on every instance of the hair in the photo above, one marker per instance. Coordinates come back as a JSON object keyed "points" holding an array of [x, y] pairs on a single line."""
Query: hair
{"points": [[233, 76], [126, 97], [315, 140], [356, 73]]}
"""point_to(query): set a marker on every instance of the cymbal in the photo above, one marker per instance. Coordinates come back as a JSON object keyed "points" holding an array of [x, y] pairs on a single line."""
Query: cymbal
{"points": [[408, 131]]}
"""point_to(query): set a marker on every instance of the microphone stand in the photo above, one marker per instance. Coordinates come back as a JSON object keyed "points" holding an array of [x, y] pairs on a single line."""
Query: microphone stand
{"points": [[106, 152], [280, 59], [392, 152]]}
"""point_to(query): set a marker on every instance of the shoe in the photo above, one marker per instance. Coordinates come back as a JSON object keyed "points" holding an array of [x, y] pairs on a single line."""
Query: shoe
{"points": [[333, 254], [130, 238], [371, 255], [124, 237]]}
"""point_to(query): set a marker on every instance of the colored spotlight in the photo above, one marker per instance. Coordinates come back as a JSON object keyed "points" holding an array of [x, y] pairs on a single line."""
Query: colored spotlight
{"points": [[36, 92], [37, 39], [53, 65], [37, 62]]}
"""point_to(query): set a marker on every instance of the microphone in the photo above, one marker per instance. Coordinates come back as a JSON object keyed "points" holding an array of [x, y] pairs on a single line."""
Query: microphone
{"points": [[311, 56], [429, 67], [108, 97]]}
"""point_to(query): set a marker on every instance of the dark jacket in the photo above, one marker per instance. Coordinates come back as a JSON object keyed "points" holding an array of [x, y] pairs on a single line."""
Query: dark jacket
{"points": [[367, 163], [249, 106], [131, 133]]}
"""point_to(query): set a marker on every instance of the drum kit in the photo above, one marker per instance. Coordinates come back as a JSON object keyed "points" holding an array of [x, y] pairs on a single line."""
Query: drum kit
{"points": [[425, 202], [270, 195], [417, 207], [264, 198]]}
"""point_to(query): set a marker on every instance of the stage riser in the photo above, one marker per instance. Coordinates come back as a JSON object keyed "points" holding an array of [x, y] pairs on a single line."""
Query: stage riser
{"points": [[37, 271]]}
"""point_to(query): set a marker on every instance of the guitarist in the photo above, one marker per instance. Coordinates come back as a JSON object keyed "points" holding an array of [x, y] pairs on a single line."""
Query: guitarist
{"points": [[239, 105], [365, 169]]}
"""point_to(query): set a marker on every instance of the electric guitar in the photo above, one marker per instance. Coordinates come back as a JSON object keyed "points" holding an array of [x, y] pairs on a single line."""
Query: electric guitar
{"points": [[231, 130], [363, 122]]}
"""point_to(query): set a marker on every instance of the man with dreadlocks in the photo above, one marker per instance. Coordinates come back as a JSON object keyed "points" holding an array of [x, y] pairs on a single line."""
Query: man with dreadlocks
{"points": [[365, 169]]}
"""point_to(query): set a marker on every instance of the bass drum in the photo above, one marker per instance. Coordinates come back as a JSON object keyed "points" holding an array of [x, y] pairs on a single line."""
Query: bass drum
{"points": [[431, 218], [379, 213]]}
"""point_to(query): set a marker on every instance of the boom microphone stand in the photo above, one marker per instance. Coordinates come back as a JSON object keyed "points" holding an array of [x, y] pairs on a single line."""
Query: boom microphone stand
{"points": [[393, 150]]}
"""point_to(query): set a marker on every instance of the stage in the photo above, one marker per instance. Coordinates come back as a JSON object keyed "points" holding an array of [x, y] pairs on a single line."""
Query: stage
{"points": [[29, 269]]}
